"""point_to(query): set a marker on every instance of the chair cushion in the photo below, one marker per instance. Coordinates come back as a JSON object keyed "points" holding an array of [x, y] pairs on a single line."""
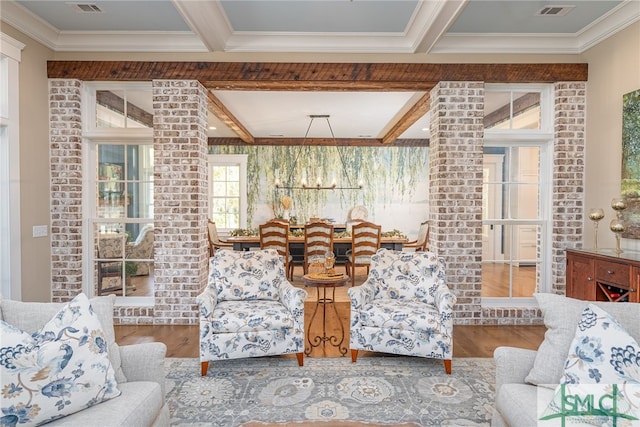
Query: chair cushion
{"points": [[408, 315], [407, 275], [237, 275], [250, 315]]}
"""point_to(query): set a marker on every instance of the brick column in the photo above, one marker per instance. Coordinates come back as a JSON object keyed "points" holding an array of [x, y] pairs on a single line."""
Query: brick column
{"points": [[455, 193], [65, 149], [568, 176], [180, 202]]}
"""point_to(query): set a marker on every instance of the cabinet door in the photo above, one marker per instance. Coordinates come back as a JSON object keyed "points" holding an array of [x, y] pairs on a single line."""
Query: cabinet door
{"points": [[581, 282]]}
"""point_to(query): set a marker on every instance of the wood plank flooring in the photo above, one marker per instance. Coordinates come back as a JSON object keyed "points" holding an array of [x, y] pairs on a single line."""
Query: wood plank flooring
{"points": [[468, 341]]}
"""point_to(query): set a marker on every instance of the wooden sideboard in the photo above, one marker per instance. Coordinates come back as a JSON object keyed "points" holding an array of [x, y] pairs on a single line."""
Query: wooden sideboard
{"points": [[603, 275]]}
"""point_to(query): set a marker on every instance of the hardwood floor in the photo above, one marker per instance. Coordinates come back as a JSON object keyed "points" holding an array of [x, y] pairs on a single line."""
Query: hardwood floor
{"points": [[469, 341]]}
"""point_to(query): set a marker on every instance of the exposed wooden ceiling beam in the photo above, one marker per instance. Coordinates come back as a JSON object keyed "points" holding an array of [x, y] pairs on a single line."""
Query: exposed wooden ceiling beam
{"points": [[236, 74], [418, 110], [220, 111], [342, 142]]}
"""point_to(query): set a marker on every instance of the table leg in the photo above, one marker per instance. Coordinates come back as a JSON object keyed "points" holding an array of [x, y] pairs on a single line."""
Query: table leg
{"points": [[322, 339]]}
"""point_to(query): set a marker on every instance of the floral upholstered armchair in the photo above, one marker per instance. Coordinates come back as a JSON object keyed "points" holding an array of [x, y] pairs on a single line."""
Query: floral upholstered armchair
{"points": [[249, 308], [404, 307]]}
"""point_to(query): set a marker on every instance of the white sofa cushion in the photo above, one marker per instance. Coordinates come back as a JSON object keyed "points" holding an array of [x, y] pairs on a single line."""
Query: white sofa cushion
{"points": [[561, 315], [61, 369]]}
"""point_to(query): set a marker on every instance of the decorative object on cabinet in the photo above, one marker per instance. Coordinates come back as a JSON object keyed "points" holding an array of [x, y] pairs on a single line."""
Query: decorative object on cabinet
{"points": [[603, 275], [617, 225], [595, 215]]}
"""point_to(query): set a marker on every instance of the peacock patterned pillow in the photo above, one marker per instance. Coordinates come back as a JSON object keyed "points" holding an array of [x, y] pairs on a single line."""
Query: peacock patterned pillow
{"points": [[61, 369]]}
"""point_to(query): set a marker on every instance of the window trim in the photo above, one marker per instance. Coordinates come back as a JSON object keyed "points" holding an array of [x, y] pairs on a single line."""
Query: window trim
{"points": [[230, 160], [544, 139], [11, 287], [93, 136]]}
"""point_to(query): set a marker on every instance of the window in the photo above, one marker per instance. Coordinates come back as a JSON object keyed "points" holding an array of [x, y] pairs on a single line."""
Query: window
{"points": [[10, 261], [515, 210], [120, 192], [228, 191]]}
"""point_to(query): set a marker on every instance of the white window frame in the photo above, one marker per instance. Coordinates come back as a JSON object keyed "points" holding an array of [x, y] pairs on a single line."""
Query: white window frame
{"points": [[230, 160], [92, 136], [10, 243], [544, 139]]}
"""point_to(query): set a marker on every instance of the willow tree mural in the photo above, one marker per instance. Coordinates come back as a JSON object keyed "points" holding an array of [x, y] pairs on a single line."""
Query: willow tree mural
{"points": [[387, 174], [631, 163]]}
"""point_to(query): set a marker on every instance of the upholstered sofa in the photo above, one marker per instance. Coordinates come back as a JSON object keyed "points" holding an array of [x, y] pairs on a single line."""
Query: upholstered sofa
{"points": [[139, 369], [527, 378]]}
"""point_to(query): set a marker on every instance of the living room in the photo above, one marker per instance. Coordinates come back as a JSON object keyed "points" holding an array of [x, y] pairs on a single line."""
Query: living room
{"points": [[47, 270]]}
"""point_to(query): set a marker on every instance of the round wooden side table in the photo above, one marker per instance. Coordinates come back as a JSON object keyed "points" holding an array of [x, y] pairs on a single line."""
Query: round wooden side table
{"points": [[325, 282]]}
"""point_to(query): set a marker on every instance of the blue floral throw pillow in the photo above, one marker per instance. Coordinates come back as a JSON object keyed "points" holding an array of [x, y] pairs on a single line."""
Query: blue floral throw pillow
{"points": [[602, 352], [59, 370]]}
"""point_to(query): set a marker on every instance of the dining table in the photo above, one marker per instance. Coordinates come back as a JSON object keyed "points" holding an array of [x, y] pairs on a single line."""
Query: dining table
{"points": [[296, 245]]}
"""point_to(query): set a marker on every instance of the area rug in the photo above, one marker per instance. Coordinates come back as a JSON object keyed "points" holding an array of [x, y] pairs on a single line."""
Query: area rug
{"points": [[392, 390]]}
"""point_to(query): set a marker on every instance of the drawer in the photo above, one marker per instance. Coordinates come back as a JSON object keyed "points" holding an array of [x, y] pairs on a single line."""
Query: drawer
{"points": [[612, 273]]}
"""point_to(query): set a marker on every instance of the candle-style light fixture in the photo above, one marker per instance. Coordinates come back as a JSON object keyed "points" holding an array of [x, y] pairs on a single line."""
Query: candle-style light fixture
{"points": [[318, 185]]}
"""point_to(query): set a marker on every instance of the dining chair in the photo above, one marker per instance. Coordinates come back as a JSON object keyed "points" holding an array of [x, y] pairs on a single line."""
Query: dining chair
{"points": [[275, 235], [214, 239], [421, 244], [365, 241], [318, 240]]}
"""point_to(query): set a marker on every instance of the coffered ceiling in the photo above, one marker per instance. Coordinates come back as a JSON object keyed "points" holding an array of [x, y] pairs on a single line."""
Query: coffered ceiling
{"points": [[416, 27]]}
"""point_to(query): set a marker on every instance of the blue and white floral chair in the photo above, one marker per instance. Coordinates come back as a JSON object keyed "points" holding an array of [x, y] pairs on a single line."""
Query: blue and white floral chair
{"points": [[404, 307], [249, 308]]}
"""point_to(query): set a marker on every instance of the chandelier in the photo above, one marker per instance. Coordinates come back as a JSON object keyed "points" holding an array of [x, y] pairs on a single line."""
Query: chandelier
{"points": [[318, 185]]}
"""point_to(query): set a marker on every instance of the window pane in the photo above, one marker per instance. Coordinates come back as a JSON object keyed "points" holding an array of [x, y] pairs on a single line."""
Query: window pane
{"points": [[526, 110], [233, 189], [220, 188], [124, 109], [219, 173], [125, 192], [233, 173], [512, 110]]}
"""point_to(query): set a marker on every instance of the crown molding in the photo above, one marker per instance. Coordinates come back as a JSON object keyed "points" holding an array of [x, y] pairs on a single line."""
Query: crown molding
{"points": [[31, 25], [148, 41], [126, 41], [470, 43], [616, 20]]}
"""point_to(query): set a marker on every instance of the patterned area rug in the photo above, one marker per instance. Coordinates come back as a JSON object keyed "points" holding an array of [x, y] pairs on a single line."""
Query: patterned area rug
{"points": [[392, 390]]}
